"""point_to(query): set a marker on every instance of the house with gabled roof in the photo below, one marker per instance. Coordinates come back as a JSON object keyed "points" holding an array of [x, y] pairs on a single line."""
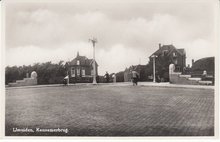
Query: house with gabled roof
{"points": [[170, 54], [80, 69], [164, 56]]}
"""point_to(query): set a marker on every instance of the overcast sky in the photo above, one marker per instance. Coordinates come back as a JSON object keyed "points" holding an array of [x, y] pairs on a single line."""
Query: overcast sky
{"points": [[127, 32]]}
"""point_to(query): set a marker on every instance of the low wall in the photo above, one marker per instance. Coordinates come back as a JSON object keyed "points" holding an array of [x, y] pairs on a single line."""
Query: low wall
{"points": [[24, 82], [176, 79]]}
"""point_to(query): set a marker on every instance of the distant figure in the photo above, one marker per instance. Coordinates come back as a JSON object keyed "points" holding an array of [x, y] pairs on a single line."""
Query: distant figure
{"points": [[135, 77], [204, 74], [107, 77], [66, 80], [184, 70], [158, 78], [27, 75]]}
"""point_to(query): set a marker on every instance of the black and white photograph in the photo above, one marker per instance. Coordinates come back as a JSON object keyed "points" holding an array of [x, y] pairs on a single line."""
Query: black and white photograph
{"points": [[110, 68]]}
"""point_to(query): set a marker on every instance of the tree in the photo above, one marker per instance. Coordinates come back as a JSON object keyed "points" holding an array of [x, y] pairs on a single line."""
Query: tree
{"points": [[48, 73]]}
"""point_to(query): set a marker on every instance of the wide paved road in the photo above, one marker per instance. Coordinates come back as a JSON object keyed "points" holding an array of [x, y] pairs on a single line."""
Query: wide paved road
{"points": [[111, 111]]}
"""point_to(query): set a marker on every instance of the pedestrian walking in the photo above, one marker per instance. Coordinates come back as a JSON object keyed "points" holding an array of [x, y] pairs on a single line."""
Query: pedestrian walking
{"points": [[135, 77], [66, 80], [204, 74], [106, 77]]}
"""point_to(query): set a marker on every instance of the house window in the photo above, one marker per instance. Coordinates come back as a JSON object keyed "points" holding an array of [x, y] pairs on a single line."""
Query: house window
{"points": [[165, 52], [174, 54], [78, 71], [72, 72], [78, 62], [83, 72]]}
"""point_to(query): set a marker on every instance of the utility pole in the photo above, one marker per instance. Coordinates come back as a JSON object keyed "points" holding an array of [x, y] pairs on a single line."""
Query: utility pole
{"points": [[154, 67], [94, 41]]}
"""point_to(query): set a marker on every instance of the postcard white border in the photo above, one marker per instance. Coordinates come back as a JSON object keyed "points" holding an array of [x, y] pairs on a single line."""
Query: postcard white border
{"points": [[70, 138]]}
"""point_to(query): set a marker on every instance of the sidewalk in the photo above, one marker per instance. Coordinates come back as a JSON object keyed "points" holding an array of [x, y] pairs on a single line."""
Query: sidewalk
{"points": [[167, 84], [148, 84], [162, 84]]}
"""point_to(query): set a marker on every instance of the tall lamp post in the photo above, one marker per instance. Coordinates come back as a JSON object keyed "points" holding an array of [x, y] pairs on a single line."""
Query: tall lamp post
{"points": [[94, 41], [154, 67]]}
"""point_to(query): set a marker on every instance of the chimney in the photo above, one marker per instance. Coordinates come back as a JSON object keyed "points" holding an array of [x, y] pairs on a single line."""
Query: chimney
{"points": [[77, 53], [192, 62], [159, 45]]}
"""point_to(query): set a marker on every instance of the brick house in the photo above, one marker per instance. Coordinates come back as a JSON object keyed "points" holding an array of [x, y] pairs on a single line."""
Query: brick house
{"points": [[80, 69], [174, 55], [166, 55]]}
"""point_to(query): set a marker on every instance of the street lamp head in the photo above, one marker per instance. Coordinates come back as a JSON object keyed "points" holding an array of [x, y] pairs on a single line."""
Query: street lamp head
{"points": [[93, 40]]}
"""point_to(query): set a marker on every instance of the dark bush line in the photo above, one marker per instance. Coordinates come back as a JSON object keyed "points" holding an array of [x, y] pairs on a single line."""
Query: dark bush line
{"points": [[48, 73]]}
